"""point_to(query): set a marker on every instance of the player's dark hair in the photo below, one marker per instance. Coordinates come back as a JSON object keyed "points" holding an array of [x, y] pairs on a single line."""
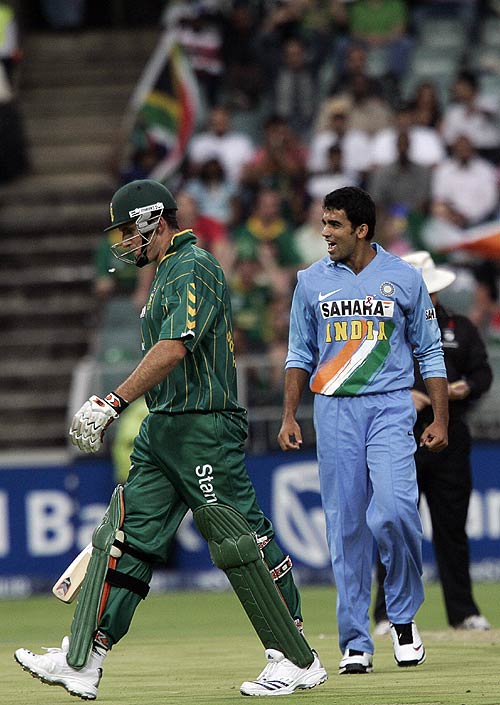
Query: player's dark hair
{"points": [[171, 218], [357, 205]]}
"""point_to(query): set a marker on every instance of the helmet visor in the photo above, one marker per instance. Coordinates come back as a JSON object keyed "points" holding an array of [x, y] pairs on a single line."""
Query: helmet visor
{"points": [[132, 248]]}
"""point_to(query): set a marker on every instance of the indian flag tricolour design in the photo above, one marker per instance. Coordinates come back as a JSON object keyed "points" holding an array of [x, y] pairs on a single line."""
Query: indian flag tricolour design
{"points": [[351, 370]]}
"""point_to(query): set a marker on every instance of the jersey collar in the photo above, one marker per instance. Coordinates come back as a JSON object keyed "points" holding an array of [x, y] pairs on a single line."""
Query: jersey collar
{"points": [[184, 237]]}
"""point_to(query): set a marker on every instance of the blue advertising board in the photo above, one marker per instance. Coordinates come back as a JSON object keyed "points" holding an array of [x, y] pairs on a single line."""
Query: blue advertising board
{"points": [[47, 516]]}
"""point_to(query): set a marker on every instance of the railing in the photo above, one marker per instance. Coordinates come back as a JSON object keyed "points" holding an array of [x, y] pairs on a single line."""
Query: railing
{"points": [[260, 391]]}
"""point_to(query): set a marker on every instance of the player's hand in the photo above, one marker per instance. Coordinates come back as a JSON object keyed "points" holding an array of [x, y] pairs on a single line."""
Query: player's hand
{"points": [[458, 390], [290, 435], [90, 422], [435, 437]]}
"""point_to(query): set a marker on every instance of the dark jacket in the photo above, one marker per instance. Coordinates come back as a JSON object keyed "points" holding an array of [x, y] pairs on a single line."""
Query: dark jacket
{"points": [[465, 357]]}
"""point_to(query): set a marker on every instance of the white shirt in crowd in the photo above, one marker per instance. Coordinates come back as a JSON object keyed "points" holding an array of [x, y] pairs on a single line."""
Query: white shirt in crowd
{"points": [[233, 150], [426, 146], [355, 151], [470, 189], [481, 126]]}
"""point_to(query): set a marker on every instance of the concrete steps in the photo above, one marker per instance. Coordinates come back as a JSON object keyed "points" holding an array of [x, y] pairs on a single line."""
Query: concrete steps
{"points": [[73, 93]]}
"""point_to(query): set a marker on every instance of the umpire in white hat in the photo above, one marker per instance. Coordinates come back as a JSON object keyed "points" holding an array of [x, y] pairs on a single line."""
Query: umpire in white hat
{"points": [[446, 481]]}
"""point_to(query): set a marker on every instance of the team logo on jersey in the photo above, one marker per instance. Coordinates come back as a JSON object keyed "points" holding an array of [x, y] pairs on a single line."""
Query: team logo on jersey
{"points": [[368, 306], [430, 314], [387, 289], [151, 298], [448, 335]]}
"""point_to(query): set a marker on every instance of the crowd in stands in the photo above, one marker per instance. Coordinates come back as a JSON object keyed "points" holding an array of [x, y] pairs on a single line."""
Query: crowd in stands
{"points": [[14, 156], [305, 96]]}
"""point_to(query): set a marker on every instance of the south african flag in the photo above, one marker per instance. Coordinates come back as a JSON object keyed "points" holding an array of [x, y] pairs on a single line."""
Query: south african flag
{"points": [[165, 107]]}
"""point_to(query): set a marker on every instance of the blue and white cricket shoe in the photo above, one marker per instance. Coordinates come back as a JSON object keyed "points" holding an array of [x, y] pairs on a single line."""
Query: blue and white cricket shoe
{"points": [[408, 647]]}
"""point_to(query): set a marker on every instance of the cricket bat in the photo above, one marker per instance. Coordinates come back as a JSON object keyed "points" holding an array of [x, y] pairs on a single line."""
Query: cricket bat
{"points": [[68, 586]]}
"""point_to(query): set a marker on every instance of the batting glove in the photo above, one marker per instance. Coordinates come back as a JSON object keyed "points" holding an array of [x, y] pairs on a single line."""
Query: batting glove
{"points": [[90, 422]]}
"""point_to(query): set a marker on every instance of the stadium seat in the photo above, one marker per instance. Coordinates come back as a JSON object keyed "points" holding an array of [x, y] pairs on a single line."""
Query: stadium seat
{"points": [[443, 33], [490, 32], [119, 336]]}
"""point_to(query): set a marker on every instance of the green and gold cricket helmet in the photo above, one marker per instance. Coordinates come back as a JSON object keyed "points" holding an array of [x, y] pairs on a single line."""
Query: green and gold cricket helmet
{"points": [[145, 197]]}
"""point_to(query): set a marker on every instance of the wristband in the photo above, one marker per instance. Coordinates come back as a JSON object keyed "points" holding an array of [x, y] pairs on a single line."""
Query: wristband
{"points": [[116, 402]]}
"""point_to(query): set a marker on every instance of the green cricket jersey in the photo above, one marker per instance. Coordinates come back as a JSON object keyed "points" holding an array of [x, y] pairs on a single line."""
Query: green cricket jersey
{"points": [[189, 301]]}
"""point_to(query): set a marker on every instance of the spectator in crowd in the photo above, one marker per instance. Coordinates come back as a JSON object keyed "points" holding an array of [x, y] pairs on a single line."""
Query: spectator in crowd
{"points": [[426, 145], [355, 63], [10, 50], [243, 81], [199, 29], [474, 115], [294, 90], [332, 177], [211, 234], [267, 231], [281, 20], [427, 105], [380, 25], [233, 149], [143, 159], [464, 186], [309, 245], [214, 193], [401, 191], [402, 182], [14, 161], [279, 163], [446, 481], [251, 294], [333, 129], [368, 111]]}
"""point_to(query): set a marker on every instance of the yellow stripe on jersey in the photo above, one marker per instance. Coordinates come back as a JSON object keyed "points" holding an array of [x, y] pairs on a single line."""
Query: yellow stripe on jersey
{"points": [[191, 307]]}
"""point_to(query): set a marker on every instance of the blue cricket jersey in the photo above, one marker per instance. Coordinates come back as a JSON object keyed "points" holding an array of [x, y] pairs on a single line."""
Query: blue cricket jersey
{"points": [[357, 333]]}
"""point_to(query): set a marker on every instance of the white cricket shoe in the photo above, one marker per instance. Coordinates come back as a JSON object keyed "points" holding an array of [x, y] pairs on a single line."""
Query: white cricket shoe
{"points": [[408, 647], [52, 668], [476, 622], [354, 661], [282, 677]]}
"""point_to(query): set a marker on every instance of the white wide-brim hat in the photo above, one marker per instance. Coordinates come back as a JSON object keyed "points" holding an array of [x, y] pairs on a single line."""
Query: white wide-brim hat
{"points": [[435, 278]]}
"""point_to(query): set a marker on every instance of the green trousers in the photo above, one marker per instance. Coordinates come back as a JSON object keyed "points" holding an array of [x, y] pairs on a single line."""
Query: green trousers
{"points": [[179, 462]]}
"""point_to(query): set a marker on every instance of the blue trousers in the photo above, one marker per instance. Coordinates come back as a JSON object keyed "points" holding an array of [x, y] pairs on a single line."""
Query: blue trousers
{"points": [[369, 491]]}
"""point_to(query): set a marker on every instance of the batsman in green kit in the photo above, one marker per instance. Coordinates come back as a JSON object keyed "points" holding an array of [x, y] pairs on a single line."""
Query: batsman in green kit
{"points": [[188, 454]]}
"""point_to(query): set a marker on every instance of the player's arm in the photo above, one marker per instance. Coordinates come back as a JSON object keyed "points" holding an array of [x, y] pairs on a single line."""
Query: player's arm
{"points": [[425, 337], [290, 435], [90, 422], [299, 363], [155, 366], [435, 436]]}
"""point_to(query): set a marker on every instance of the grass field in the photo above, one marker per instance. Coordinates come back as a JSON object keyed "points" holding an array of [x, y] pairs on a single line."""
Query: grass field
{"points": [[195, 648]]}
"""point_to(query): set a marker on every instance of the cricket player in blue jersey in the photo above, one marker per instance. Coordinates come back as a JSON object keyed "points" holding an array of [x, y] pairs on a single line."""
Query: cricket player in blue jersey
{"points": [[358, 317]]}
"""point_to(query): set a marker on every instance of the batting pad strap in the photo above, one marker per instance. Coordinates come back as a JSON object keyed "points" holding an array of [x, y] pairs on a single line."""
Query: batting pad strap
{"points": [[282, 569], [124, 547], [233, 548], [122, 580]]}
